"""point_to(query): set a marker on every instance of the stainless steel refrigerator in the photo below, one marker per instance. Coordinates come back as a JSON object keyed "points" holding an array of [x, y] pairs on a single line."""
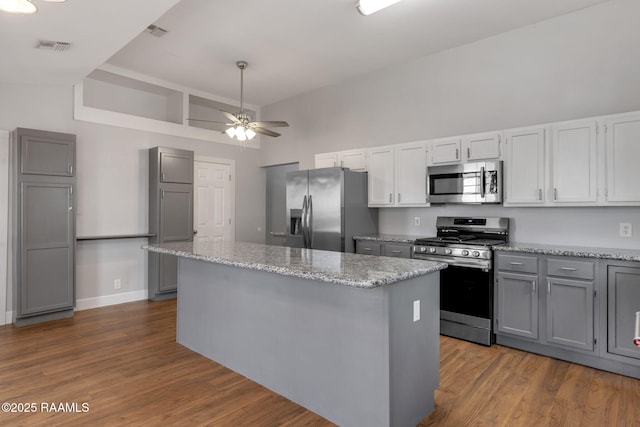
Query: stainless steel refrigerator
{"points": [[327, 207]]}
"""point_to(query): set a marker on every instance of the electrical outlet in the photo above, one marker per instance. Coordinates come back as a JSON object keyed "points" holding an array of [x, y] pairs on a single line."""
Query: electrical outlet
{"points": [[117, 284], [626, 229], [416, 220]]}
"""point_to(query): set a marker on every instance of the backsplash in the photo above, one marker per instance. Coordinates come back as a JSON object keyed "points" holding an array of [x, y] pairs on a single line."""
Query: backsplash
{"points": [[592, 226]]}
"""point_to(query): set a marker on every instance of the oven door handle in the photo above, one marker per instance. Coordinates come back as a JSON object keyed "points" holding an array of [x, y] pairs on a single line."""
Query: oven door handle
{"points": [[484, 265]]}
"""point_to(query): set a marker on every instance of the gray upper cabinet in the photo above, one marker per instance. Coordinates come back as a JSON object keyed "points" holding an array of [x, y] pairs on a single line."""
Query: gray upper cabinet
{"points": [[44, 225], [170, 214], [176, 213], [623, 286], [46, 153], [176, 167]]}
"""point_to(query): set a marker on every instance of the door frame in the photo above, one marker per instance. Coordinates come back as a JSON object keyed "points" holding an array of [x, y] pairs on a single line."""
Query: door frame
{"points": [[232, 170]]}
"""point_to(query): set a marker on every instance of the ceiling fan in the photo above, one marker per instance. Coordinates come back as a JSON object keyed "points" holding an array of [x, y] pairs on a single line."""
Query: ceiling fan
{"points": [[242, 126]]}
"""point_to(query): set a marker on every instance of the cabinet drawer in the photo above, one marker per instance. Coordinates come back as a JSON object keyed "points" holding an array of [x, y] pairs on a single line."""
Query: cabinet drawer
{"points": [[367, 248], [398, 251], [573, 269], [519, 263]]}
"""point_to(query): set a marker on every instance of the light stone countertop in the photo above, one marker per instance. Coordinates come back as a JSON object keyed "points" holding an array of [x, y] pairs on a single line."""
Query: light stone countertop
{"points": [[390, 238], [575, 251], [362, 271]]}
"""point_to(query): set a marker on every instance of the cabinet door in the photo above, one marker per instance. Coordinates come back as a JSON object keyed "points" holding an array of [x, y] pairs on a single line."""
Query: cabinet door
{"points": [[573, 162], [570, 313], [176, 213], [411, 174], [524, 166], [623, 152], [46, 153], [47, 247], [445, 151], [481, 147], [381, 176], [176, 168], [517, 304], [396, 250], [356, 160], [623, 285], [326, 160], [168, 273]]}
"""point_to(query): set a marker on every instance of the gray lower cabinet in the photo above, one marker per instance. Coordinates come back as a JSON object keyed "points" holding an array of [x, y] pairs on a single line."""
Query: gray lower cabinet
{"points": [[623, 301], [517, 304], [170, 214], [380, 248], [43, 229], [570, 312]]}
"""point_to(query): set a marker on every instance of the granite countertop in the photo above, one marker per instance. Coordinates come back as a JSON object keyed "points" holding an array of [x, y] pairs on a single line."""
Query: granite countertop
{"points": [[575, 251], [362, 271], [392, 238]]}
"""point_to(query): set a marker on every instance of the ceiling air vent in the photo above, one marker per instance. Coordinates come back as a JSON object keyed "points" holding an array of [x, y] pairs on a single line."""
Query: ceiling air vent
{"points": [[51, 45], [154, 30]]}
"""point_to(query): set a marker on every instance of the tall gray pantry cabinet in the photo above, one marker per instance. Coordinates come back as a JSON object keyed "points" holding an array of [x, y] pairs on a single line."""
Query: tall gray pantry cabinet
{"points": [[170, 214], [43, 225]]}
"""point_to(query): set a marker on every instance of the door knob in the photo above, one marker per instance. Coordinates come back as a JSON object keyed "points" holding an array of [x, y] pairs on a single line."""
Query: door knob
{"points": [[195, 232]]}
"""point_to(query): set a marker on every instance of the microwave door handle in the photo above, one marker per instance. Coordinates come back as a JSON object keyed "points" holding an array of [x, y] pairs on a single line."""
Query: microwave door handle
{"points": [[483, 182]]}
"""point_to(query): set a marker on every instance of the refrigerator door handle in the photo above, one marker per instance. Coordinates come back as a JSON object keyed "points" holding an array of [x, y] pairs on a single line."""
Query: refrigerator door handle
{"points": [[303, 221], [310, 223]]}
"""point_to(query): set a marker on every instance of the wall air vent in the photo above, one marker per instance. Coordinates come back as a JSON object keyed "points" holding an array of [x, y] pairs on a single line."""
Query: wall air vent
{"points": [[154, 30], [52, 45]]}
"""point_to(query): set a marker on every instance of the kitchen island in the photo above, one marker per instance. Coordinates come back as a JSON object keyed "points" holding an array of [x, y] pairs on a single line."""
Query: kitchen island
{"points": [[354, 338]]}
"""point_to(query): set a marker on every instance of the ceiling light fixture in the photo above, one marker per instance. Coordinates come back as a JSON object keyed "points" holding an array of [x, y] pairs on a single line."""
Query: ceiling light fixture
{"points": [[367, 7], [24, 7]]}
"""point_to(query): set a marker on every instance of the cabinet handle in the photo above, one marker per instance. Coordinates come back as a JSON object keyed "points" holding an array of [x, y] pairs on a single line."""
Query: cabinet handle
{"points": [[398, 197], [468, 152], [457, 154], [70, 169], [555, 194], [390, 197], [367, 249], [567, 268], [341, 163], [162, 194], [163, 176], [395, 252], [539, 193], [515, 263], [549, 287], [533, 287]]}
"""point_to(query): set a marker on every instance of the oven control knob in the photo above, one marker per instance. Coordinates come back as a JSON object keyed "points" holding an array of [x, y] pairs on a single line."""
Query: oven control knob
{"points": [[475, 253], [448, 251], [423, 249], [465, 252], [432, 250]]}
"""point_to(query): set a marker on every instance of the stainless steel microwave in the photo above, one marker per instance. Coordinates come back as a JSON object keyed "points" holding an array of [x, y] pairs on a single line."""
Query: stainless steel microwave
{"points": [[479, 182]]}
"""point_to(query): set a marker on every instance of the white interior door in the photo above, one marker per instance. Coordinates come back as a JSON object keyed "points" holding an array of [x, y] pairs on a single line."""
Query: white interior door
{"points": [[214, 209]]}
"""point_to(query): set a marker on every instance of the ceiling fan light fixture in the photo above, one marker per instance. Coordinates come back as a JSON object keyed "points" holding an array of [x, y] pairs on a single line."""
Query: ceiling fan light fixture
{"points": [[250, 133], [367, 7], [24, 7]]}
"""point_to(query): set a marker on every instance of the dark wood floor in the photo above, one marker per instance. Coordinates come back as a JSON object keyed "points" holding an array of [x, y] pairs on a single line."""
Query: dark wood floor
{"points": [[124, 363]]}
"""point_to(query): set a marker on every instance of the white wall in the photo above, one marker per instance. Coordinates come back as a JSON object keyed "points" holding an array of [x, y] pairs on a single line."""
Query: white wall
{"points": [[577, 65], [4, 212], [112, 187]]}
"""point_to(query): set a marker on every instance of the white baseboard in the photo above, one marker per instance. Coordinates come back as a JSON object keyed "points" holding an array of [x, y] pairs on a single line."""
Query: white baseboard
{"points": [[103, 301], [87, 303]]}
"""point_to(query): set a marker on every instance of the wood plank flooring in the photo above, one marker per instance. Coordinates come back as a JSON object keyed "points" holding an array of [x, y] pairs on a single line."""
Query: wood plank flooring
{"points": [[123, 362]]}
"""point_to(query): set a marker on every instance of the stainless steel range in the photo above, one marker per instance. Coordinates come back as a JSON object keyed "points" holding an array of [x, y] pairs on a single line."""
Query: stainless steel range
{"points": [[466, 286]]}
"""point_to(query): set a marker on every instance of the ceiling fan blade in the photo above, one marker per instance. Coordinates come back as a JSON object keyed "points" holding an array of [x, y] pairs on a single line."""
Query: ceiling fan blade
{"points": [[266, 132], [270, 124], [230, 116], [209, 121]]}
